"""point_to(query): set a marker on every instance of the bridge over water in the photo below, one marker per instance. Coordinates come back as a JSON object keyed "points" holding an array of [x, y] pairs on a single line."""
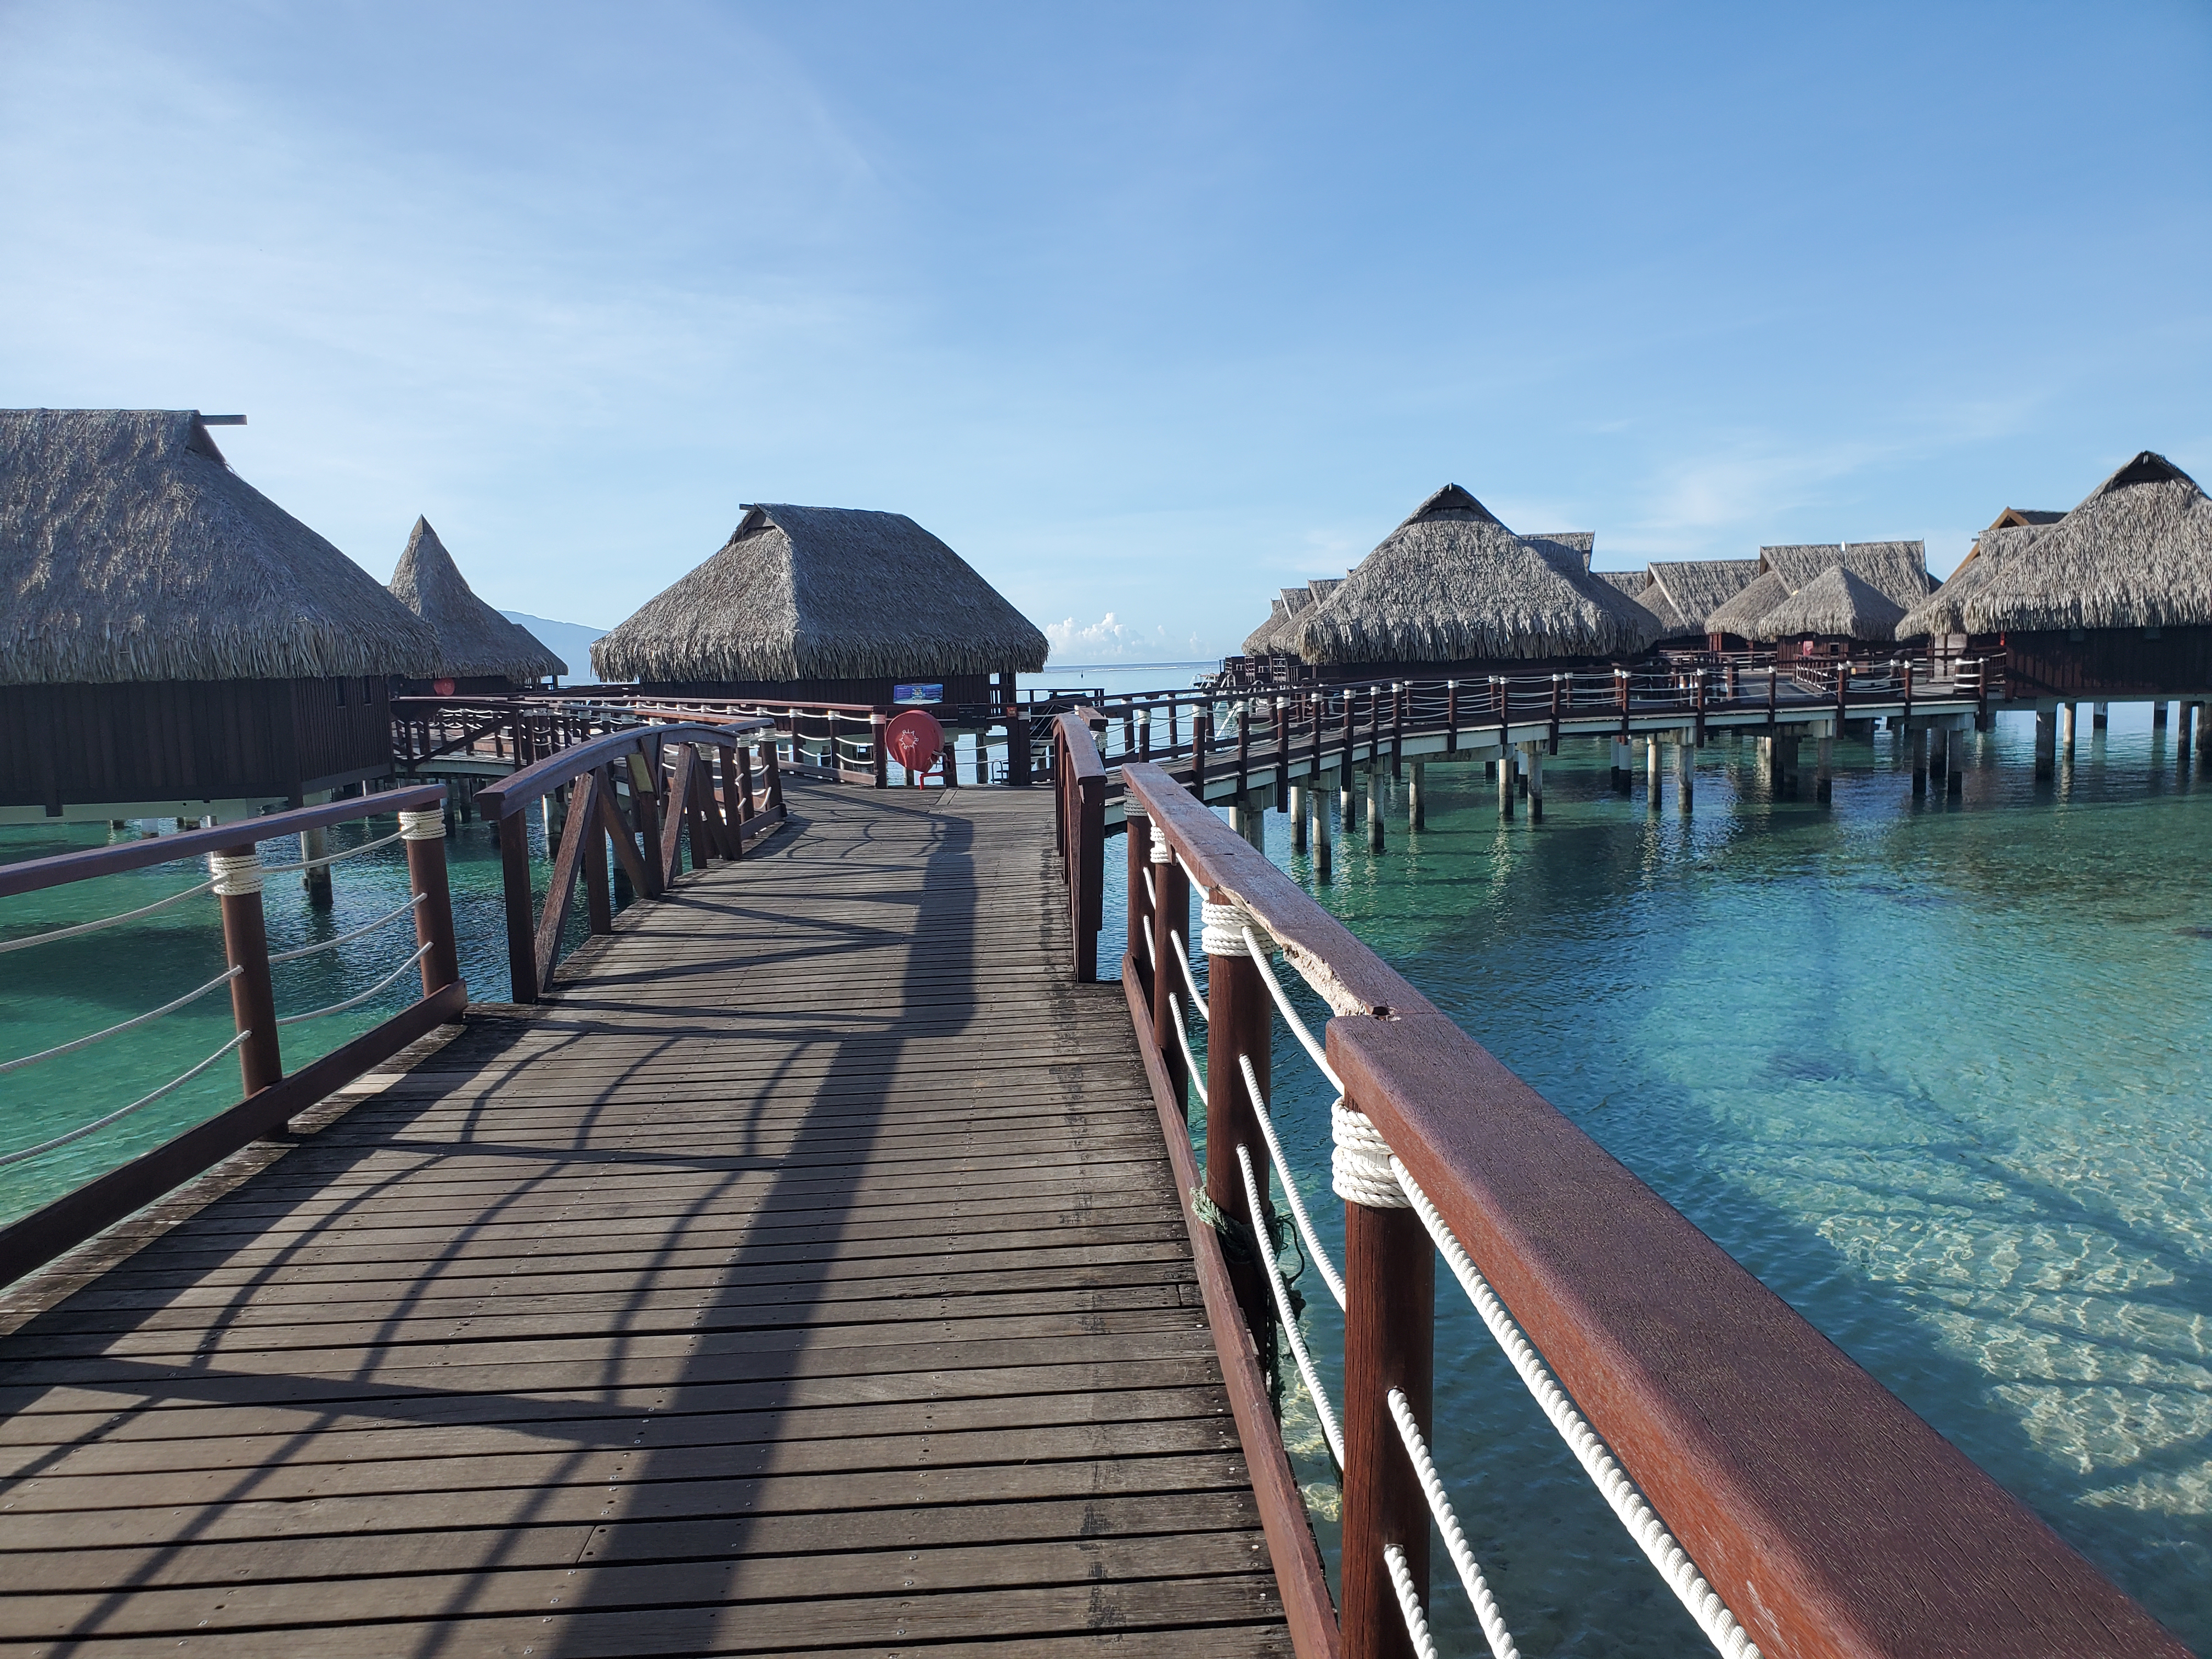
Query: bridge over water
{"points": [[819, 1261]]}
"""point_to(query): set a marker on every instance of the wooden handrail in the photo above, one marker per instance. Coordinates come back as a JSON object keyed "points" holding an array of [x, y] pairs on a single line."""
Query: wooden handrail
{"points": [[1078, 777], [269, 1095], [1830, 1518]]}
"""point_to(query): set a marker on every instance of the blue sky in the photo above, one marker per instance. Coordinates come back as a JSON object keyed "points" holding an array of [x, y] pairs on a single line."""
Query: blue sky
{"points": [[1147, 310]]}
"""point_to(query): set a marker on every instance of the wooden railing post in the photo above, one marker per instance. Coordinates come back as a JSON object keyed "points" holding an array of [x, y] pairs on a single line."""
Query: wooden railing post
{"points": [[1201, 737], [521, 925], [1089, 826], [1136, 830], [1390, 1342], [237, 872], [1281, 710], [879, 750], [644, 809], [1240, 1026], [423, 834]]}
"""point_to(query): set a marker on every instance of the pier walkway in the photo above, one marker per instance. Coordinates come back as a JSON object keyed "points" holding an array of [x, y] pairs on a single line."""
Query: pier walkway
{"points": [[805, 1275]]}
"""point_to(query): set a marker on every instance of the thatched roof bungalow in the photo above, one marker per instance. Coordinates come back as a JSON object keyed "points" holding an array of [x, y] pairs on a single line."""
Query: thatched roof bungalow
{"points": [[1837, 609], [1732, 625], [2113, 598], [1897, 569], [825, 605], [1630, 582], [1452, 591], [480, 653], [171, 641]]}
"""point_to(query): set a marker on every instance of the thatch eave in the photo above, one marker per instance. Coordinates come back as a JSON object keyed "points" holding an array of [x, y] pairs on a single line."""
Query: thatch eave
{"points": [[474, 641]]}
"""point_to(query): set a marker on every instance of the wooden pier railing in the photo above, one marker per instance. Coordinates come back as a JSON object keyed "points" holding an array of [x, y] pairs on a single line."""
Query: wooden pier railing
{"points": [[1793, 1504], [271, 1095], [668, 776]]}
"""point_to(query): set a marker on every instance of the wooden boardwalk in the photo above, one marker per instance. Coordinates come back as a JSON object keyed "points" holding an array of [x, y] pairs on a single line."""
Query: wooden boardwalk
{"points": [[806, 1277]]}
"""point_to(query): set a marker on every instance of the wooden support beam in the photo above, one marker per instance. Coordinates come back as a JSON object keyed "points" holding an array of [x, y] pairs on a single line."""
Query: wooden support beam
{"points": [[1416, 799]]}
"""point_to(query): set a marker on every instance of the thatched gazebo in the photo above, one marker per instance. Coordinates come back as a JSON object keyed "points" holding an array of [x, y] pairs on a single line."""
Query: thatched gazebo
{"points": [[825, 605], [480, 653], [1452, 591], [1839, 609], [2112, 600], [1732, 626], [172, 643]]}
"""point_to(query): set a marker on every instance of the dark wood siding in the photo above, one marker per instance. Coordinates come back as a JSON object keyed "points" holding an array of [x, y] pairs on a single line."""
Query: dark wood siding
{"points": [[958, 688], [2118, 661], [188, 741]]}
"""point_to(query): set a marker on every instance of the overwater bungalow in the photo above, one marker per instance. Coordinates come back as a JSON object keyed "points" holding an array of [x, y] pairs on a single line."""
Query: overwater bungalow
{"points": [[825, 605], [1453, 593], [1734, 625], [1896, 570], [1837, 614], [480, 653], [173, 644], [2113, 598]]}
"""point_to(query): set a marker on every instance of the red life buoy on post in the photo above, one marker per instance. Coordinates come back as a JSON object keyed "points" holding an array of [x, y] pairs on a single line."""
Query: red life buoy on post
{"points": [[915, 741]]}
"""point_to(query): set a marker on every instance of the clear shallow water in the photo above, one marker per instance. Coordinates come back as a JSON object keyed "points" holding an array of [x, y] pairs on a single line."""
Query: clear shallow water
{"points": [[1937, 1071]]}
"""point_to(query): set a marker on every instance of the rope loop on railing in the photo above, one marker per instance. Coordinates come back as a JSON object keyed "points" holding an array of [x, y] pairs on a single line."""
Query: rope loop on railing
{"points": [[104, 922], [427, 824], [355, 1001], [1226, 926], [1409, 1604], [234, 874], [117, 1029], [1360, 1170], [99, 1123], [1329, 1275], [1331, 1430], [1162, 851]]}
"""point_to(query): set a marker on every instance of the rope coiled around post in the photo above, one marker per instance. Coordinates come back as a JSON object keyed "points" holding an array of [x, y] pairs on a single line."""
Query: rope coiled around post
{"points": [[1224, 931], [235, 874], [1360, 1166], [427, 824]]}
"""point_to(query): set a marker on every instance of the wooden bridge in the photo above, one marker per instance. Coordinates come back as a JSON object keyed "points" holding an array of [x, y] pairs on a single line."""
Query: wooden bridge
{"points": [[818, 1260]]}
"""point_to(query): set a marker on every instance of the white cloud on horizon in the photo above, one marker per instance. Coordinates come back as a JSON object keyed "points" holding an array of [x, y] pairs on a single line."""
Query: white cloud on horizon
{"points": [[1110, 639]]}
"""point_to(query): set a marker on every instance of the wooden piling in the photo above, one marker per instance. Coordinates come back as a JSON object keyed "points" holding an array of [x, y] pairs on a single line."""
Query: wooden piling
{"points": [[2046, 742], [1323, 857], [1296, 803], [1824, 782], [1374, 812], [246, 948], [1686, 770], [2068, 714], [315, 844], [2158, 715], [2101, 716], [1390, 1342], [1416, 804], [1505, 784], [1954, 763], [1652, 771], [1532, 759], [1919, 760]]}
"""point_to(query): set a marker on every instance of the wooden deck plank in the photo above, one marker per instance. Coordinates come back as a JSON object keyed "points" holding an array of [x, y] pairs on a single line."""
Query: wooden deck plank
{"points": [[805, 1276]]}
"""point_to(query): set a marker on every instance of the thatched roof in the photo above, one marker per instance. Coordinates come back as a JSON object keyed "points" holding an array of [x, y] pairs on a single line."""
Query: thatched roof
{"points": [[1276, 633], [130, 551], [823, 592], [1897, 569], [1257, 642], [1741, 614], [1671, 623], [2136, 553], [1695, 588], [1451, 584], [1630, 582], [474, 641], [1837, 604], [1579, 543]]}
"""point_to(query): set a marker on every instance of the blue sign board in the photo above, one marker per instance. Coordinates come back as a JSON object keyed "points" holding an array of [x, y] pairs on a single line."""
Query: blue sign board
{"points": [[918, 693]]}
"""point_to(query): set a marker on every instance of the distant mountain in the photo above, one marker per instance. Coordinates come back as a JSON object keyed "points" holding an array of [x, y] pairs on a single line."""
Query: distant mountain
{"points": [[570, 641]]}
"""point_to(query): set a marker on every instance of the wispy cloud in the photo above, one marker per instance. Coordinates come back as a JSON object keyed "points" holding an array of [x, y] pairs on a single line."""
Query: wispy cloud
{"points": [[1109, 639]]}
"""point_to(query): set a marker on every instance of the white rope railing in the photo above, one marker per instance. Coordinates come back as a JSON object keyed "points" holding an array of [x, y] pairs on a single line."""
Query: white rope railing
{"points": [[1447, 1519], [1636, 1514], [332, 858], [1197, 996], [1322, 1409], [1151, 892], [99, 1123], [1189, 1060], [104, 922], [1314, 1051], [1320, 1256], [346, 939], [70, 1047], [355, 1001], [1417, 1623]]}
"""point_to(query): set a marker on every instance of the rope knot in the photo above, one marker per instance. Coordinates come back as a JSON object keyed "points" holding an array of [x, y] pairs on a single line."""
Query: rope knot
{"points": [[235, 874], [1162, 852], [1359, 1168], [428, 824], [1224, 932]]}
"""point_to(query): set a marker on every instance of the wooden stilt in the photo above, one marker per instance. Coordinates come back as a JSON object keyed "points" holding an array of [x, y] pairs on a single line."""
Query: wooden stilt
{"points": [[1297, 805], [2046, 742], [2157, 716], [1824, 780], [2067, 714], [1954, 764], [316, 878], [1417, 815], [1938, 756], [1686, 770], [1505, 785], [1919, 760], [1323, 857], [1374, 812], [1532, 759], [2101, 716], [1651, 772]]}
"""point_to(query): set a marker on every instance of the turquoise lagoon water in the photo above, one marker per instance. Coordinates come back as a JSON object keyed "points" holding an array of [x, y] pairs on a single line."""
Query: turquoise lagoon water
{"points": [[1937, 1072]]}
